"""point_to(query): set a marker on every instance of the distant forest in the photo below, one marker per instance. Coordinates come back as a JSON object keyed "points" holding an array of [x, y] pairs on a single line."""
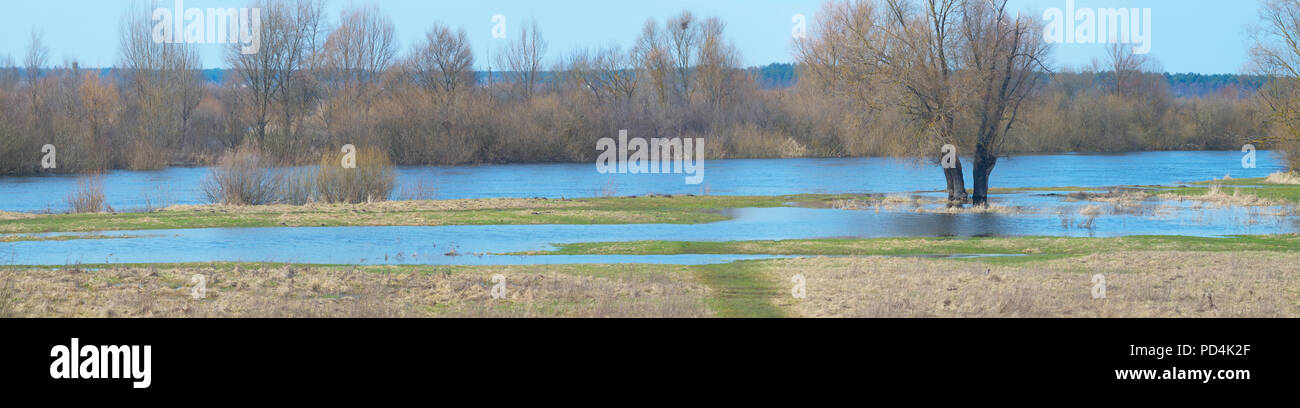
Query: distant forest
{"points": [[781, 75], [345, 81]]}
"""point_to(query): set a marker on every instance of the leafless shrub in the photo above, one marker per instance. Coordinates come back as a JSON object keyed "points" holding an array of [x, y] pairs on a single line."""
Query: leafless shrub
{"points": [[371, 180], [89, 195], [245, 176], [298, 186]]}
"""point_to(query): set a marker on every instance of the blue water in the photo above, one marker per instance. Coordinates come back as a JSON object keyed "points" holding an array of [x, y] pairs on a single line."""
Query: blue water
{"points": [[134, 190], [474, 245]]}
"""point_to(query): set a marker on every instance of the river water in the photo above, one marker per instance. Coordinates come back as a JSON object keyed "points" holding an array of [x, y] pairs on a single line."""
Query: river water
{"points": [[133, 190], [1020, 214]]}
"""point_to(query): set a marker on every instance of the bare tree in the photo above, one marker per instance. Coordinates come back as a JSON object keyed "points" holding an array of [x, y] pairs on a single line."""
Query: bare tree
{"points": [[164, 84], [8, 73], [683, 39], [187, 85], [1128, 69], [905, 49], [581, 69], [288, 34], [606, 73], [362, 46], [718, 69], [356, 54], [654, 61], [1003, 56], [938, 62], [1276, 55], [619, 72], [37, 58], [522, 59], [444, 63]]}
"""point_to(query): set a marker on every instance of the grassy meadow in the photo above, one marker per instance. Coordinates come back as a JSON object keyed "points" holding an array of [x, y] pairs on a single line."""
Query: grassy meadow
{"points": [[1146, 276]]}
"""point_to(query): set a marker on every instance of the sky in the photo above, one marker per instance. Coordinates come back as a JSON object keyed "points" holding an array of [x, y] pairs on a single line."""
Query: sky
{"points": [[1203, 36]]}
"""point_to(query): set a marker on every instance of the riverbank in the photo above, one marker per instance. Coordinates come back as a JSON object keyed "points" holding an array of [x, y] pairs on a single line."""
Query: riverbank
{"points": [[1010, 250], [131, 191], [680, 209], [646, 209]]}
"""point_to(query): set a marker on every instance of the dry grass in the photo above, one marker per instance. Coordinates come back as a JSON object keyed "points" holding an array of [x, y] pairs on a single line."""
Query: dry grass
{"points": [[6, 216], [889, 202], [1216, 196], [1118, 197], [8, 300], [1283, 178], [1139, 284], [975, 209], [1127, 199], [301, 291], [921, 204], [389, 206], [89, 195]]}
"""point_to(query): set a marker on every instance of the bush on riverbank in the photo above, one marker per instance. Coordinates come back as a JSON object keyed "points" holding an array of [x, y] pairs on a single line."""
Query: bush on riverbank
{"points": [[89, 195], [244, 176], [247, 176], [372, 179]]}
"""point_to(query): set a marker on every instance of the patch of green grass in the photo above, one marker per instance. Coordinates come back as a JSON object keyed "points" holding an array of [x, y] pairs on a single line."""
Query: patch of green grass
{"points": [[1256, 181], [1275, 192], [1034, 248], [185, 220], [739, 289], [1071, 189], [615, 210]]}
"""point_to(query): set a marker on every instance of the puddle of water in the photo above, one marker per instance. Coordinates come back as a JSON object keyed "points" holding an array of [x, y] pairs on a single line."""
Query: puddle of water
{"points": [[1034, 215]]}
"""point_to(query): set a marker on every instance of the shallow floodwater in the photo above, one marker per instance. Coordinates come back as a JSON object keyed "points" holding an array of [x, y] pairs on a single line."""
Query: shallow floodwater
{"points": [[134, 190], [1020, 215]]}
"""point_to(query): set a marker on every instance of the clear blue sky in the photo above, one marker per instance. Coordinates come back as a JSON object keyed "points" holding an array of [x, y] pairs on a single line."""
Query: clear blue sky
{"points": [[1207, 36]]}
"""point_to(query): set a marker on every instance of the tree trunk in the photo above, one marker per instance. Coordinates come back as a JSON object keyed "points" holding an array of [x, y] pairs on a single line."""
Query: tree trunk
{"points": [[956, 185], [984, 162]]}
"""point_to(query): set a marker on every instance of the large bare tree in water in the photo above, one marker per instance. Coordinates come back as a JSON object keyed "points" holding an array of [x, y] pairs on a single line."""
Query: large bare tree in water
{"points": [[960, 69]]}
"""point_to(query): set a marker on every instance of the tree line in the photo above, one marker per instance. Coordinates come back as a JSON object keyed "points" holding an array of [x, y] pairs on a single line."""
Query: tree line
{"points": [[887, 77]]}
